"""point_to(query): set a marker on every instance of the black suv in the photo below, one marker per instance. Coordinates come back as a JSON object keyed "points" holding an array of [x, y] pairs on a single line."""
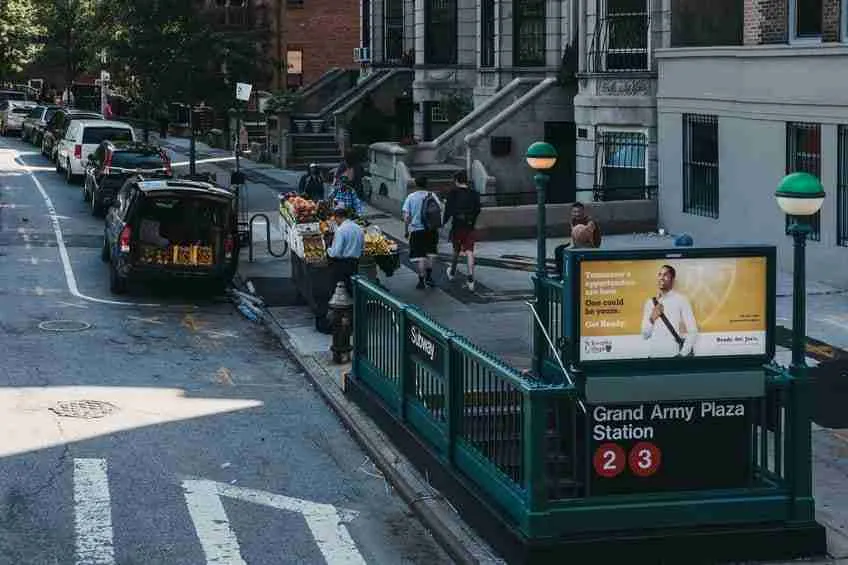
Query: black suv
{"points": [[55, 129], [112, 163], [161, 228]]}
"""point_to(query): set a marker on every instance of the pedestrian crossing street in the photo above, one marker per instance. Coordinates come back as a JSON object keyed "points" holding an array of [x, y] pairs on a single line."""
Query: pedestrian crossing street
{"points": [[94, 529]]}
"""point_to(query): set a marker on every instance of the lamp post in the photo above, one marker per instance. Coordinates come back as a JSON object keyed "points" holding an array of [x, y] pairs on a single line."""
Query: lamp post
{"points": [[541, 157], [800, 196]]}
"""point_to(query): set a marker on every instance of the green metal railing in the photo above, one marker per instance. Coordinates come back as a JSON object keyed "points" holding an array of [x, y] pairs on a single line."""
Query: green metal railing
{"points": [[549, 307], [522, 442]]}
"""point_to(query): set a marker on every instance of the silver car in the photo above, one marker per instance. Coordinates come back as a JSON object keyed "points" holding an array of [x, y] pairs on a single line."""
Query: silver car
{"points": [[12, 114], [35, 123]]}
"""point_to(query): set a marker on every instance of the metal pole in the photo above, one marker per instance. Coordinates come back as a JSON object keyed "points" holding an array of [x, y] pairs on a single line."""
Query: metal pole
{"points": [[238, 136], [541, 233], [541, 180], [192, 155], [804, 505]]}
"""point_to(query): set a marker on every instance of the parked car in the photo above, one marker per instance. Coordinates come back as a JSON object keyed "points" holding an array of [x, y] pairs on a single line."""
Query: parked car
{"points": [[82, 138], [33, 127], [168, 228], [58, 125], [112, 163], [12, 114], [13, 95]]}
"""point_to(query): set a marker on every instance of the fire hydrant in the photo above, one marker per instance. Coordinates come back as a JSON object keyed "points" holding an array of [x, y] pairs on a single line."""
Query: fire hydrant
{"points": [[340, 317]]}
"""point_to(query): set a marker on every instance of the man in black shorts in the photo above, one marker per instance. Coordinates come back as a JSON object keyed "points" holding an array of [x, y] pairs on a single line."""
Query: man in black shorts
{"points": [[423, 239]]}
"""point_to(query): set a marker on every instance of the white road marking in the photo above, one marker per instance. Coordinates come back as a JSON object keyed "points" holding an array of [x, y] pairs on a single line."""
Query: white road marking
{"points": [[325, 521], [217, 539], [154, 320], [92, 513], [70, 305], [218, 335]]}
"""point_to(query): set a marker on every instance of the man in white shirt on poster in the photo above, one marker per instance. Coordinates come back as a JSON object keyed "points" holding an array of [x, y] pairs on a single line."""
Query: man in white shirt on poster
{"points": [[668, 323]]}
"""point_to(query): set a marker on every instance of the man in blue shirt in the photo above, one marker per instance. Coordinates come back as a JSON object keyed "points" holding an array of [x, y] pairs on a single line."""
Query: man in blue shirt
{"points": [[423, 242], [346, 250]]}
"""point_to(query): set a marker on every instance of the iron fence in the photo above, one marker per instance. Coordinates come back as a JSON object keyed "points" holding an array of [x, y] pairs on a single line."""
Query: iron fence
{"points": [[842, 188], [517, 439], [700, 165], [621, 167], [803, 154], [621, 40]]}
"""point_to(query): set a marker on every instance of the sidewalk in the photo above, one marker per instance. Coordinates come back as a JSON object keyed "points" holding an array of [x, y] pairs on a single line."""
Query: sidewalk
{"points": [[496, 318]]}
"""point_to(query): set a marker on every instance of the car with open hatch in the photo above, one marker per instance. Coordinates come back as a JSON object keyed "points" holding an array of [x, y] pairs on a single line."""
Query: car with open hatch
{"points": [[113, 162], [82, 138], [171, 228]]}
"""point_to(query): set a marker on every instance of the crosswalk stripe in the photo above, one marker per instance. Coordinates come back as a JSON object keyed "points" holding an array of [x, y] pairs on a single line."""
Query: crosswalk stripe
{"points": [[92, 513], [217, 539]]}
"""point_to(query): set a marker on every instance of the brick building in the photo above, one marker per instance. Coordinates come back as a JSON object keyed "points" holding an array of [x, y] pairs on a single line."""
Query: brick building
{"points": [[318, 35], [733, 120], [313, 36]]}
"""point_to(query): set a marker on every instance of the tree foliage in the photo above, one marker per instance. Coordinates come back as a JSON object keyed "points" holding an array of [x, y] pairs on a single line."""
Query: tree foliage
{"points": [[20, 34], [70, 35], [164, 51]]}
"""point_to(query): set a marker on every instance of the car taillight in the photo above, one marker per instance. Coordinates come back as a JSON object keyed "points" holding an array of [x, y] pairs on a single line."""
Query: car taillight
{"points": [[229, 246], [124, 240], [107, 164], [77, 151]]}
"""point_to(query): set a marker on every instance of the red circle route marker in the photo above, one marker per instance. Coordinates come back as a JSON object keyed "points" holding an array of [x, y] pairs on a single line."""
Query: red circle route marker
{"points": [[609, 460], [645, 459]]}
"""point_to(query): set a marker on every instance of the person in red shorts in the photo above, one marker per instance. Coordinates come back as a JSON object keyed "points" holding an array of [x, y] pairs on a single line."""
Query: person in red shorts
{"points": [[462, 209]]}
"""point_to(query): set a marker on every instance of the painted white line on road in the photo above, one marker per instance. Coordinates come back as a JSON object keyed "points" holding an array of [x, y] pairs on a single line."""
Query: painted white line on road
{"points": [[92, 513], [217, 539], [325, 521], [201, 161]]}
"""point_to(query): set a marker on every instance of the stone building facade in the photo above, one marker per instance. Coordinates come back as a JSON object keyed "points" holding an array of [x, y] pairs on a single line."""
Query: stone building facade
{"points": [[733, 120]]}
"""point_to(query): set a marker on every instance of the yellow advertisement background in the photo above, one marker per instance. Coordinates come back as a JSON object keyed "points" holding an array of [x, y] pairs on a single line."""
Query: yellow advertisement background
{"points": [[727, 295]]}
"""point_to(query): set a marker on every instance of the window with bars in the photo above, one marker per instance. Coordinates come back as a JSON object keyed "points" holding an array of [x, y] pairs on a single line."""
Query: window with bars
{"points": [[437, 115], [803, 154], [440, 41], [621, 166], [528, 33], [700, 165], [842, 188], [624, 35], [487, 33], [393, 27]]}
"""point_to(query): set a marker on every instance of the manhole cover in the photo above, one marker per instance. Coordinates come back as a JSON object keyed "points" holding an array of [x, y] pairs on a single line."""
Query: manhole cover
{"points": [[64, 326], [86, 409]]}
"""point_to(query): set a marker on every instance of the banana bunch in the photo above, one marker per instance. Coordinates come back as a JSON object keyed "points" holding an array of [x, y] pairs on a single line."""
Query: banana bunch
{"points": [[313, 248], [376, 244]]}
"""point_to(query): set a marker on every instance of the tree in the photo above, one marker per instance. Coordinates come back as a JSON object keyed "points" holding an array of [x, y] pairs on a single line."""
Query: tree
{"points": [[20, 36], [70, 33]]}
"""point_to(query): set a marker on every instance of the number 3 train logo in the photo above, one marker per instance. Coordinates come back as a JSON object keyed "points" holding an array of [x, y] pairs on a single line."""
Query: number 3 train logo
{"points": [[644, 460]]}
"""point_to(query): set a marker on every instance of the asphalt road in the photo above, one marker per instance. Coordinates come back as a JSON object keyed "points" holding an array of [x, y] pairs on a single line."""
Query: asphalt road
{"points": [[203, 443]]}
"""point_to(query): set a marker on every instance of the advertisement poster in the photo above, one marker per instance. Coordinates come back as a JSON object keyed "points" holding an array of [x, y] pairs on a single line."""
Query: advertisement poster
{"points": [[664, 308]]}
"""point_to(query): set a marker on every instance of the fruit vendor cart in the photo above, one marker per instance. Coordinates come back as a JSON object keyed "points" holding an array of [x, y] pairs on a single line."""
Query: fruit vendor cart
{"points": [[305, 226]]}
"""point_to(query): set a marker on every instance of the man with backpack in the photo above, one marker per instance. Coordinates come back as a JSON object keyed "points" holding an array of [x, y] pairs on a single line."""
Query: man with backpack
{"points": [[422, 214], [462, 209]]}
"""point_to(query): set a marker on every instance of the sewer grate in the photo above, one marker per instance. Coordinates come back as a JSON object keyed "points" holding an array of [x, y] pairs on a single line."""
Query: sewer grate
{"points": [[85, 409], [64, 326]]}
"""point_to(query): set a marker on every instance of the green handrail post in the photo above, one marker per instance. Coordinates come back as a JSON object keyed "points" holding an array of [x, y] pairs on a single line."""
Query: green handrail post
{"points": [[454, 401], [358, 328], [534, 449], [539, 342], [403, 365]]}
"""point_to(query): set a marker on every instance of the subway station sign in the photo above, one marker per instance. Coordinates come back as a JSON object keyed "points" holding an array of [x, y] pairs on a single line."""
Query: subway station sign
{"points": [[669, 446]]}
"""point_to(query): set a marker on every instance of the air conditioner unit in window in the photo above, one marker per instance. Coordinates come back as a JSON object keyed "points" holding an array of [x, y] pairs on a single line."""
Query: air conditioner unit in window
{"points": [[361, 55]]}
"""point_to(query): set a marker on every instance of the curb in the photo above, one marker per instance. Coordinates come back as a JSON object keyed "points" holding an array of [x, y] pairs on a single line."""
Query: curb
{"points": [[428, 505]]}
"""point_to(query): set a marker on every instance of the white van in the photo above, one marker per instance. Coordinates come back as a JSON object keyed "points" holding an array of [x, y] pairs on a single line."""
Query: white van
{"points": [[83, 138]]}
